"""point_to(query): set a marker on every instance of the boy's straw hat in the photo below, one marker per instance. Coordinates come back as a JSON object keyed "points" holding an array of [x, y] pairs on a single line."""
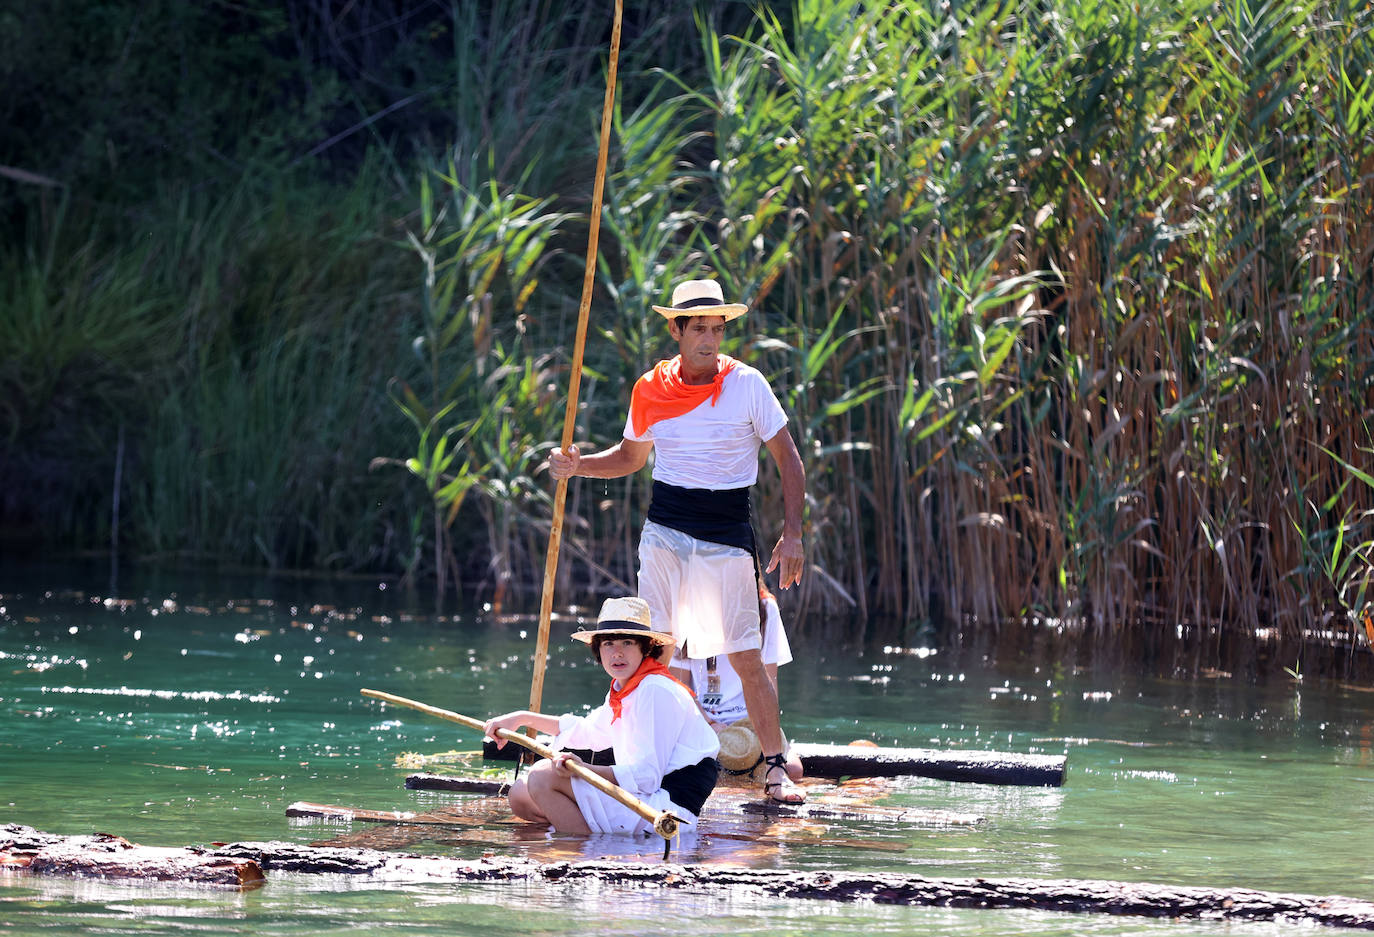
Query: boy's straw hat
{"points": [[628, 615]]}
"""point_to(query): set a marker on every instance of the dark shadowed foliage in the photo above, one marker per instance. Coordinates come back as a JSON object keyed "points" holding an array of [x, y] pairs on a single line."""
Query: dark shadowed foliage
{"points": [[1067, 300]]}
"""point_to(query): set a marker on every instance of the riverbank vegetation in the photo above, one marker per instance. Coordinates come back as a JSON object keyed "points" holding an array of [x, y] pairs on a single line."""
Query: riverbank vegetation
{"points": [[1068, 301]]}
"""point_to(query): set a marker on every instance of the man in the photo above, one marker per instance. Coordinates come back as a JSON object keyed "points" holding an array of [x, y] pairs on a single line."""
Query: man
{"points": [[705, 415]]}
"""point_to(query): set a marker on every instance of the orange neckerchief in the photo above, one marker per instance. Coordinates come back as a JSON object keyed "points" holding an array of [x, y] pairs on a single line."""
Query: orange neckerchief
{"points": [[647, 667], [662, 394]]}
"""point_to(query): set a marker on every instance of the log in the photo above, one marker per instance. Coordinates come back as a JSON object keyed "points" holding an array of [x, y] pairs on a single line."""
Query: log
{"points": [[1077, 895], [854, 761], [730, 816], [424, 781], [303, 809], [101, 855], [853, 812]]}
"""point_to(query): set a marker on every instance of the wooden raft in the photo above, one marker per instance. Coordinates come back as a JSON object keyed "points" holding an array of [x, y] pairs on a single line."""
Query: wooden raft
{"points": [[731, 815], [731, 800]]}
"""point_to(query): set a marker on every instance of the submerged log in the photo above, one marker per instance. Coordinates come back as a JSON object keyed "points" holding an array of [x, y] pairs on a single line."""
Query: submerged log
{"points": [[723, 800], [112, 857], [854, 761], [751, 805], [731, 815], [1103, 897]]}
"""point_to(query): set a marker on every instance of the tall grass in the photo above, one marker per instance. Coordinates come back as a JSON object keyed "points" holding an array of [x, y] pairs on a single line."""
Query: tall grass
{"points": [[1065, 300], [82, 335], [260, 449], [481, 407], [243, 343]]}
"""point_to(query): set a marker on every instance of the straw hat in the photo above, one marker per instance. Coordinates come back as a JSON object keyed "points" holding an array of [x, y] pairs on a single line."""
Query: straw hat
{"points": [[739, 747], [700, 298], [628, 615]]}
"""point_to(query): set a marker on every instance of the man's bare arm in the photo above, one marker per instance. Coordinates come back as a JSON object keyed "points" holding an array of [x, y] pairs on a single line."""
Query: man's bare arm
{"points": [[624, 458], [788, 553]]}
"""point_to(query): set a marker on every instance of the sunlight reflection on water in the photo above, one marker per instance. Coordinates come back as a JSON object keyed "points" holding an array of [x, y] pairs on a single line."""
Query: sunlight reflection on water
{"points": [[230, 709]]}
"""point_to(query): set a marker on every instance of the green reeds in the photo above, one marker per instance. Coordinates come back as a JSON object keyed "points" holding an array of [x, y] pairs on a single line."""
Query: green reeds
{"points": [[1068, 298], [243, 342], [481, 406], [83, 337]]}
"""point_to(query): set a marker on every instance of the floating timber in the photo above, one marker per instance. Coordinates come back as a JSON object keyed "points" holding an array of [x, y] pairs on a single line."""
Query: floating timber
{"points": [[306, 810], [838, 817], [101, 855], [29, 850], [725, 801], [869, 761], [856, 761], [425, 781]]}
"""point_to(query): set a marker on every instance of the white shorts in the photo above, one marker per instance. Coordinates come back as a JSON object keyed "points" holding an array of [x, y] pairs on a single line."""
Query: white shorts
{"points": [[704, 593], [605, 814]]}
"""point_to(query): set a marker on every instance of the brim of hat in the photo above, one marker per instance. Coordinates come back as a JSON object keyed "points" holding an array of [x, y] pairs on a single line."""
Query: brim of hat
{"points": [[728, 310], [667, 640], [739, 764]]}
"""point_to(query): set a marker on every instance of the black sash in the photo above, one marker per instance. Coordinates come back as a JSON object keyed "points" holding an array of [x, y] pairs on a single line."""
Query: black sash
{"points": [[690, 786], [715, 516], [602, 756]]}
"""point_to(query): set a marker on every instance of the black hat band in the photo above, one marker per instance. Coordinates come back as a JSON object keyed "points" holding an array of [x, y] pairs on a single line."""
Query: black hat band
{"points": [[700, 301]]}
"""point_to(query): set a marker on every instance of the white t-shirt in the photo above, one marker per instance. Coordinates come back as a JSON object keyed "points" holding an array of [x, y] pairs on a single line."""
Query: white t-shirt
{"points": [[717, 446], [726, 703]]}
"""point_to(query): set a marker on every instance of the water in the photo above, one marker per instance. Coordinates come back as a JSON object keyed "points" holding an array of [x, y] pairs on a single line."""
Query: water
{"points": [[176, 712]]}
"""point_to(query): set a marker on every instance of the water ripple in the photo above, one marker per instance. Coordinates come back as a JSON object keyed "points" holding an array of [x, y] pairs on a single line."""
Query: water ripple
{"points": [[196, 695]]}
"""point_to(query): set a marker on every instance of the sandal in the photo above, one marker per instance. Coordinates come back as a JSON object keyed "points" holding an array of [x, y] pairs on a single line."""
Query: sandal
{"points": [[787, 791]]}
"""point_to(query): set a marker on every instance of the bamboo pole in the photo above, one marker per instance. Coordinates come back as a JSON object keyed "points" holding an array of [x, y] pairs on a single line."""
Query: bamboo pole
{"points": [[664, 823], [541, 644]]}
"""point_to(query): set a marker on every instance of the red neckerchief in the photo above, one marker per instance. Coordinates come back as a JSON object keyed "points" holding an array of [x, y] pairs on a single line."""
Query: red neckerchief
{"points": [[647, 667], [662, 394]]}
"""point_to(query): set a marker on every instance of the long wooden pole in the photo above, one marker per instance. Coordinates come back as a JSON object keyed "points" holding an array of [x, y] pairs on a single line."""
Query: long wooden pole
{"points": [[541, 644], [665, 824]]}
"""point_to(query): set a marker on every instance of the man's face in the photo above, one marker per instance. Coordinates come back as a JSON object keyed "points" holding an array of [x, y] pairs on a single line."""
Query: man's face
{"points": [[699, 340]]}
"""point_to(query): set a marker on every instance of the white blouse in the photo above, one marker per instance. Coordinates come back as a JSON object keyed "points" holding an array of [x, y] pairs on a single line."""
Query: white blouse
{"points": [[660, 729]]}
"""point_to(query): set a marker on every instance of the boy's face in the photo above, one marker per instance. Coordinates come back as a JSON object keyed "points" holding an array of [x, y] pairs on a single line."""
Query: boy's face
{"points": [[621, 657]]}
